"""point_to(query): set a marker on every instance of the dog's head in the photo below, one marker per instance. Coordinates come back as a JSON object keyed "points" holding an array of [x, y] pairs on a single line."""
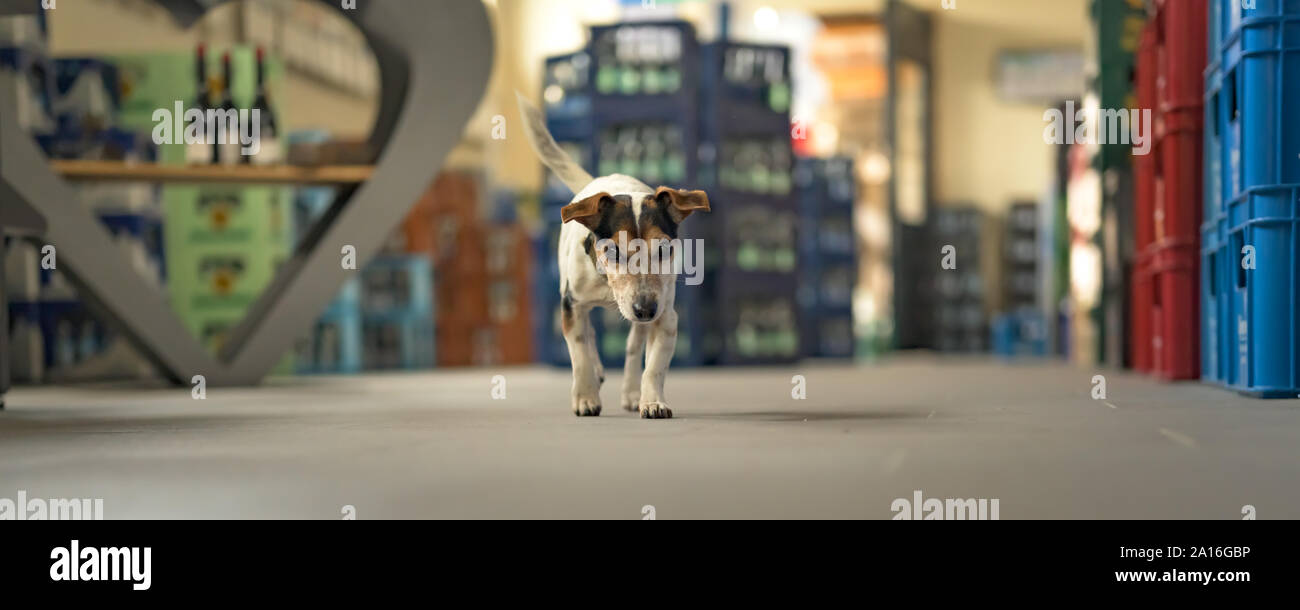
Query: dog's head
{"points": [[635, 243]]}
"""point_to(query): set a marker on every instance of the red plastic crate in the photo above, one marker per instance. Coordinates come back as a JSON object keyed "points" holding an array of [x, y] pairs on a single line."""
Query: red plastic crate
{"points": [[1173, 257], [1175, 312], [1179, 119], [1144, 201], [1142, 296], [1181, 27]]}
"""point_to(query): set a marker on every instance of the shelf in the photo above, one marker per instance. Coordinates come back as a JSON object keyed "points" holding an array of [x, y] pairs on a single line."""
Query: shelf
{"points": [[247, 174]]}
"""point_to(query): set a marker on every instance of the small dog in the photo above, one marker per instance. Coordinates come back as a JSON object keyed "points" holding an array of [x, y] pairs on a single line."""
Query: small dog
{"points": [[611, 210]]}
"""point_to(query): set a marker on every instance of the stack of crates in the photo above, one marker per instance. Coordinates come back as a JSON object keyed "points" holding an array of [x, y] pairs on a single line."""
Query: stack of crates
{"points": [[225, 244], [51, 330], [647, 90], [1022, 329], [397, 312], [1142, 292], [751, 236], [961, 323], [827, 256], [508, 266], [1173, 255], [1020, 257], [333, 345], [569, 93], [1249, 239]]}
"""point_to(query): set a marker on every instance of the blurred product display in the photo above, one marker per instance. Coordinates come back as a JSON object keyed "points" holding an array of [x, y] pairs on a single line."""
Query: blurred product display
{"points": [[638, 116], [1125, 260], [961, 319], [1020, 328], [827, 256], [1102, 244]]}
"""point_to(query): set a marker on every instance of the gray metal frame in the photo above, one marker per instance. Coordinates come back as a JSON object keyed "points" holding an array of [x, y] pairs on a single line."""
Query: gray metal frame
{"points": [[434, 61]]}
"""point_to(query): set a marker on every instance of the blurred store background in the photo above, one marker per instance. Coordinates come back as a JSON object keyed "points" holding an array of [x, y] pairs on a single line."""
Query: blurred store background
{"points": [[848, 146]]}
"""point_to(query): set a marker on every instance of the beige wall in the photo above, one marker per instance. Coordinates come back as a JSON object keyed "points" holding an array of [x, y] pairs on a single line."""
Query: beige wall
{"points": [[987, 151]]}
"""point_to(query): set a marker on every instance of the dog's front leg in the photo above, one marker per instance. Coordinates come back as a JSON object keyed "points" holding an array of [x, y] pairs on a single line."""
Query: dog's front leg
{"points": [[659, 353], [631, 393], [576, 323]]}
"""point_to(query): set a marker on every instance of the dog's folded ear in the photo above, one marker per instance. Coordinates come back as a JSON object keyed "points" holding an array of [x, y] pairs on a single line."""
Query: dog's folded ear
{"points": [[588, 211], [680, 203]]}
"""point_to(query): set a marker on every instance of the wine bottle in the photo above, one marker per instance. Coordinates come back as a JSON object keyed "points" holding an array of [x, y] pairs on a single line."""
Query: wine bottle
{"points": [[200, 153], [268, 129], [226, 131]]}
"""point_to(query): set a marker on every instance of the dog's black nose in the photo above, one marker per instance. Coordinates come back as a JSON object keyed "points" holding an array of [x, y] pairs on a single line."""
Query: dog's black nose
{"points": [[644, 309]]}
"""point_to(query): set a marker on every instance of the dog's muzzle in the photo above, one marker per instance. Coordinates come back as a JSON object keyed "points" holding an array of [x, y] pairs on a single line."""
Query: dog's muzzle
{"points": [[645, 308]]}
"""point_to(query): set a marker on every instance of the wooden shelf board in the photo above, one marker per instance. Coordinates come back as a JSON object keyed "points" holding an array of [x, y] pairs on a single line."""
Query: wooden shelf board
{"points": [[251, 174]]}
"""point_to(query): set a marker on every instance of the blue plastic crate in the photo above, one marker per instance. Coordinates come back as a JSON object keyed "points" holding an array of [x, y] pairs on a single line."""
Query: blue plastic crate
{"points": [[69, 334], [1019, 334], [395, 285], [399, 340], [1215, 317], [1257, 96], [1254, 318], [334, 343], [1215, 187]]}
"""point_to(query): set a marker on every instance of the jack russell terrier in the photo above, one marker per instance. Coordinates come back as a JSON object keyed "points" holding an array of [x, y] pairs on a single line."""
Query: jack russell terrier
{"points": [[605, 215]]}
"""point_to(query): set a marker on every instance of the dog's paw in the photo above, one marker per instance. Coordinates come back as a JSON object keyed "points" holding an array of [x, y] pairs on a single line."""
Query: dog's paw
{"points": [[631, 401], [586, 406], [655, 410]]}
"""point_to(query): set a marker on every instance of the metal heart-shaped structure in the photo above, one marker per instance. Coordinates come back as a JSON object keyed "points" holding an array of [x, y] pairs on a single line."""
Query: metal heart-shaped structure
{"points": [[434, 60]]}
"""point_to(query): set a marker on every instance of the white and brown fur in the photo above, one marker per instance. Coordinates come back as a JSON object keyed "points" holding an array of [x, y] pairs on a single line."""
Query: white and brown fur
{"points": [[607, 208]]}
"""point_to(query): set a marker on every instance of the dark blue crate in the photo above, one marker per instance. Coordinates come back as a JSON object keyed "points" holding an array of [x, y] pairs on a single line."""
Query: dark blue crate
{"points": [[735, 106], [69, 333], [567, 87], [145, 228], [827, 335], [68, 69], [761, 328], [630, 49]]}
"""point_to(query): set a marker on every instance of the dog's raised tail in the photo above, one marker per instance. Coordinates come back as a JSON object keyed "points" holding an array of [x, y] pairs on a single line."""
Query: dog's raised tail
{"points": [[554, 157]]}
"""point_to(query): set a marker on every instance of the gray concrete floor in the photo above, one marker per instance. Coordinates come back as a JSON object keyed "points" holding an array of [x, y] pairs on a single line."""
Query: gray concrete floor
{"points": [[435, 445]]}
